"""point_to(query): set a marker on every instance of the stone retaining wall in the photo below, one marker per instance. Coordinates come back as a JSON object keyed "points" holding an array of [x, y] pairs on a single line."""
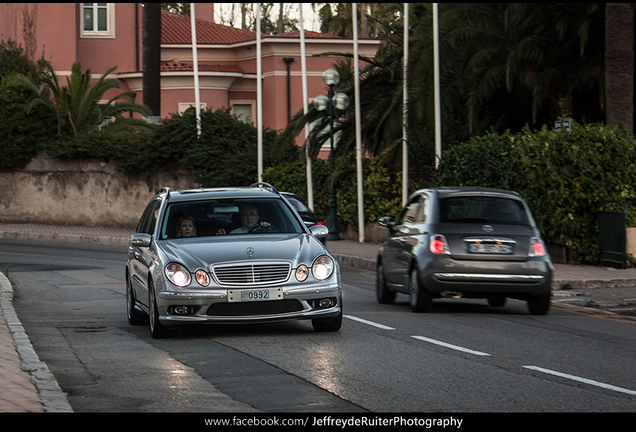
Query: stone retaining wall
{"points": [[85, 192]]}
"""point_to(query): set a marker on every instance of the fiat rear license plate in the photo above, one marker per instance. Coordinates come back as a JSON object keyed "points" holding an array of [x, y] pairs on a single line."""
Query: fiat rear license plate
{"points": [[490, 248], [255, 295]]}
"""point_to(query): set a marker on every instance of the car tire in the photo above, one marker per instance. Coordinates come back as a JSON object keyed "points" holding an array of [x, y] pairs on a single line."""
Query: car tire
{"points": [[419, 298], [157, 330], [382, 291], [497, 301], [327, 325], [134, 316], [539, 305]]}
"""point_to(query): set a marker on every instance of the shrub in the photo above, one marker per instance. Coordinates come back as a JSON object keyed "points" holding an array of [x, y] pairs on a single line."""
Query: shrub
{"points": [[20, 134], [226, 152], [382, 192]]}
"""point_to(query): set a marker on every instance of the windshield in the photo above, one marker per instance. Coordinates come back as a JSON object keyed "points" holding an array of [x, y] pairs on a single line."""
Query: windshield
{"points": [[228, 217], [480, 209]]}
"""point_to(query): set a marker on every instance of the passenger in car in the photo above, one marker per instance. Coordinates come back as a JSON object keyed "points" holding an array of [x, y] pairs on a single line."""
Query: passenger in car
{"points": [[186, 227]]}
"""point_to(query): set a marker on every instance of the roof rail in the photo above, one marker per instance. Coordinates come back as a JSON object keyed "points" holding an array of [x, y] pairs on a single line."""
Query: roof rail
{"points": [[164, 189], [265, 185]]}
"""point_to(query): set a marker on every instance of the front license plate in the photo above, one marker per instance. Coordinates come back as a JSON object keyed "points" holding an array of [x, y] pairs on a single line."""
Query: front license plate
{"points": [[490, 248], [255, 295]]}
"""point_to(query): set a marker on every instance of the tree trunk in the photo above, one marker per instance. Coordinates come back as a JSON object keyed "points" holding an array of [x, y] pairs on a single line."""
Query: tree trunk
{"points": [[151, 39], [363, 19], [280, 18], [619, 65]]}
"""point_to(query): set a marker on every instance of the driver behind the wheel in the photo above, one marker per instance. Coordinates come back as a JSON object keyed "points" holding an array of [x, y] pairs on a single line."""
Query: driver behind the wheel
{"points": [[249, 221]]}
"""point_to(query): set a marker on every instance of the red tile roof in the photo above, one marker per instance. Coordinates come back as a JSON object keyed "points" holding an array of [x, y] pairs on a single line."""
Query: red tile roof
{"points": [[177, 29], [308, 34]]}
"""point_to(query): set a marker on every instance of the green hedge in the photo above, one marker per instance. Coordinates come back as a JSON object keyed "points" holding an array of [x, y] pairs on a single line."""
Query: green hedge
{"points": [[225, 153], [564, 177]]}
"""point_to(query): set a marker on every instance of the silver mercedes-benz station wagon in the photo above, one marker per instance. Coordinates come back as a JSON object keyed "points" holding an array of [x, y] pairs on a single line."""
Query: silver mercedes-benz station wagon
{"points": [[464, 242], [229, 255]]}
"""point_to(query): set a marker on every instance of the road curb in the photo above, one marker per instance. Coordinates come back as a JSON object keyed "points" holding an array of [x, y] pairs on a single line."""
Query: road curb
{"points": [[69, 238], [51, 395], [354, 261]]}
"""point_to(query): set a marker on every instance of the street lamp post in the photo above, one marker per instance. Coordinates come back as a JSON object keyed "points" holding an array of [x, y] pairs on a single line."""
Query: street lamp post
{"points": [[332, 106]]}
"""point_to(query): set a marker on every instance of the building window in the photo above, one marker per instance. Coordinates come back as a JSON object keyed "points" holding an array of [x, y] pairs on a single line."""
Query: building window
{"points": [[98, 20], [243, 110]]}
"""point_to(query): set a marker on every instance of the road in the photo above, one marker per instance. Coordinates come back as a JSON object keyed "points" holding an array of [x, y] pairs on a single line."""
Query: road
{"points": [[463, 357]]}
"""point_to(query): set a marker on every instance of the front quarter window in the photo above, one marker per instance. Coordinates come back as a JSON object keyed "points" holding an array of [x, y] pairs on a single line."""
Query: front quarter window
{"points": [[149, 218]]}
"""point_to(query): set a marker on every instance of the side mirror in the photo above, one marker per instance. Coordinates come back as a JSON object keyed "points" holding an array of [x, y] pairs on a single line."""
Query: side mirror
{"points": [[141, 240], [319, 231], [387, 221]]}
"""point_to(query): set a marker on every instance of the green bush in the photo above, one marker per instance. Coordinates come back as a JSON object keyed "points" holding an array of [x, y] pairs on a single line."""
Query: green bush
{"points": [[20, 134], [564, 177], [226, 152], [291, 176], [382, 192]]}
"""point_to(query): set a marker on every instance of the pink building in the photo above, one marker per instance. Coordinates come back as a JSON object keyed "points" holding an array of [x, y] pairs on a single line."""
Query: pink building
{"points": [[103, 35]]}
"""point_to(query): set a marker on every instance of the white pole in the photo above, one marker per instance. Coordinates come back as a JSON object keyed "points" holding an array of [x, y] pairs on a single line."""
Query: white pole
{"points": [[438, 118], [195, 69], [356, 71], [259, 92], [303, 61], [405, 146]]}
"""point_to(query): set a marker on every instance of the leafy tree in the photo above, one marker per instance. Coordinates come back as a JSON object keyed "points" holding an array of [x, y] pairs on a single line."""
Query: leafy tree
{"points": [[77, 105]]}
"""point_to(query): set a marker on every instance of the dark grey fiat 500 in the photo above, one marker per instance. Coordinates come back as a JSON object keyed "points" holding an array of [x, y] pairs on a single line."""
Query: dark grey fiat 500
{"points": [[229, 255], [464, 242]]}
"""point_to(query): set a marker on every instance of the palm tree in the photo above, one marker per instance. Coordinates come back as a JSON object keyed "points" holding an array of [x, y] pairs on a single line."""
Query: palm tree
{"points": [[504, 66], [77, 105], [517, 63]]}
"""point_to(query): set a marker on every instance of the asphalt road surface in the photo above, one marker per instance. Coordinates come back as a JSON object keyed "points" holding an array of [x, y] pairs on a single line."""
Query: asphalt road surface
{"points": [[464, 357]]}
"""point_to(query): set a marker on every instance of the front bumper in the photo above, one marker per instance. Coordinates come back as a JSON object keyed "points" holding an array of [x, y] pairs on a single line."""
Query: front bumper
{"points": [[213, 306]]}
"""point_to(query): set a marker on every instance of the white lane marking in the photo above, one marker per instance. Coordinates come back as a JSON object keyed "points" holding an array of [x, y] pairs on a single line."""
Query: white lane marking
{"points": [[583, 380], [455, 347], [369, 322]]}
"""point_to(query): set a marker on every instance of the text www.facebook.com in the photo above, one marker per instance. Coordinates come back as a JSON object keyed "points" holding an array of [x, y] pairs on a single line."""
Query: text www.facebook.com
{"points": [[341, 422]]}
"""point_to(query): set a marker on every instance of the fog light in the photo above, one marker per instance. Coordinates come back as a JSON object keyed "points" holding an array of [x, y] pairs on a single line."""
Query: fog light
{"points": [[326, 303], [181, 310]]}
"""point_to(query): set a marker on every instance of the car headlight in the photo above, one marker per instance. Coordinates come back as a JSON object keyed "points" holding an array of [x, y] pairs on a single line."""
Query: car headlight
{"points": [[301, 273], [323, 267], [202, 278], [178, 274]]}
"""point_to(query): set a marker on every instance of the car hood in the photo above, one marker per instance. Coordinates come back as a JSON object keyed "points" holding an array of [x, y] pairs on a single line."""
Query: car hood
{"points": [[202, 252]]}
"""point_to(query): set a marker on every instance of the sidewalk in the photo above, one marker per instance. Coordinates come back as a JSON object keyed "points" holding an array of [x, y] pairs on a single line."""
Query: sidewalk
{"points": [[27, 385]]}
